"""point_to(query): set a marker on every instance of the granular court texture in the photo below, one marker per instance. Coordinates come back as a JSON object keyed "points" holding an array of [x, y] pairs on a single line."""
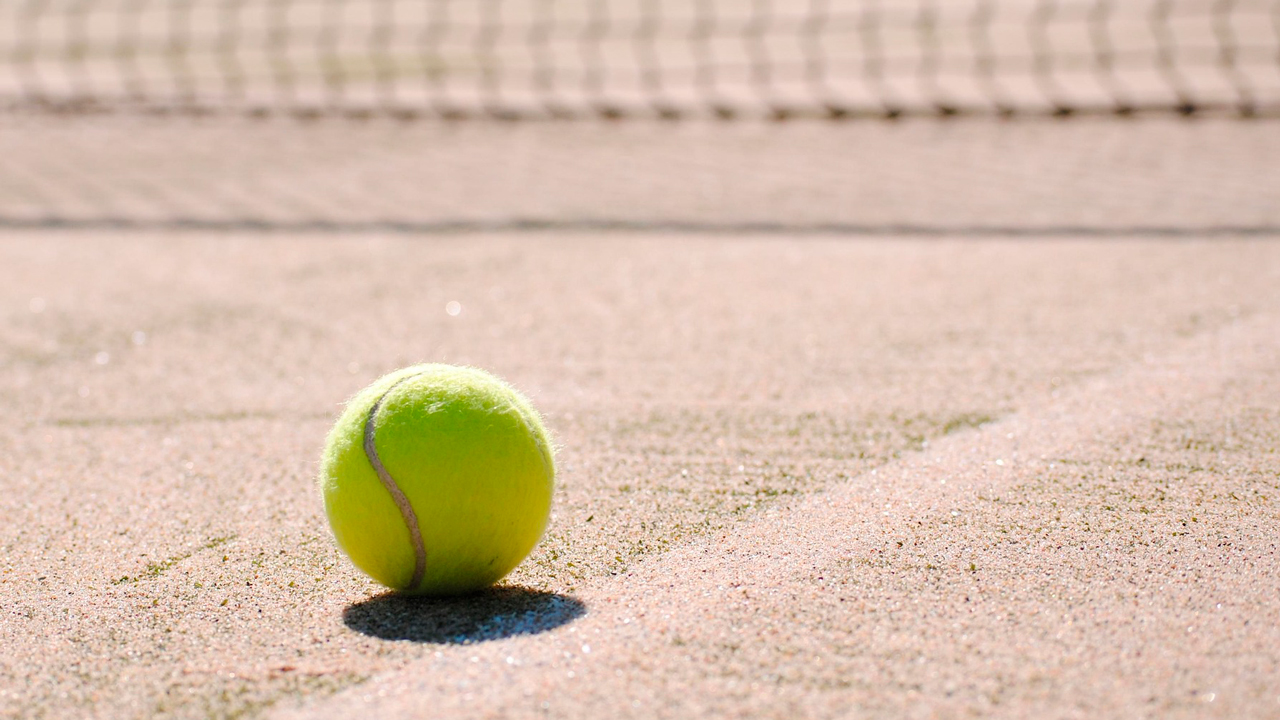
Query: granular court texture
{"points": [[854, 469]]}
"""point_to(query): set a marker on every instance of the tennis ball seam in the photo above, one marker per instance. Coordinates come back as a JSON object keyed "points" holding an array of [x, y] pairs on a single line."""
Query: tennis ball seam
{"points": [[401, 501]]}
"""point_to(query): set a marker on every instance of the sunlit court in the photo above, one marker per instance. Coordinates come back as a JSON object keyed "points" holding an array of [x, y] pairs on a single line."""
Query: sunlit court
{"points": [[639, 359]]}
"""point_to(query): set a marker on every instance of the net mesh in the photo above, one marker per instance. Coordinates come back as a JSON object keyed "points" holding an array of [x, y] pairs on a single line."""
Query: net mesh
{"points": [[665, 58]]}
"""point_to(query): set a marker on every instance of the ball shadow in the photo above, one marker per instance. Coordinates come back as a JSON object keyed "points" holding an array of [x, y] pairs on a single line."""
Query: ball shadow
{"points": [[492, 614]]}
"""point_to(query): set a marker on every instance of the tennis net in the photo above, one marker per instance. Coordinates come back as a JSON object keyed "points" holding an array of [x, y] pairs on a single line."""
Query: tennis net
{"points": [[656, 58]]}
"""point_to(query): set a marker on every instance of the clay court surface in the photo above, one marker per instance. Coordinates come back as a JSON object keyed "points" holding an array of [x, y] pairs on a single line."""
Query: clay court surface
{"points": [[923, 419]]}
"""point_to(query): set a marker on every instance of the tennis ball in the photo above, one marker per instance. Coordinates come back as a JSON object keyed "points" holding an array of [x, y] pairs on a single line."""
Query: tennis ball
{"points": [[437, 479]]}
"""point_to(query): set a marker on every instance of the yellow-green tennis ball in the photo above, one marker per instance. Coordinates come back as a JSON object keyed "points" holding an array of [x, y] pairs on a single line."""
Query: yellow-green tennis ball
{"points": [[437, 480]]}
